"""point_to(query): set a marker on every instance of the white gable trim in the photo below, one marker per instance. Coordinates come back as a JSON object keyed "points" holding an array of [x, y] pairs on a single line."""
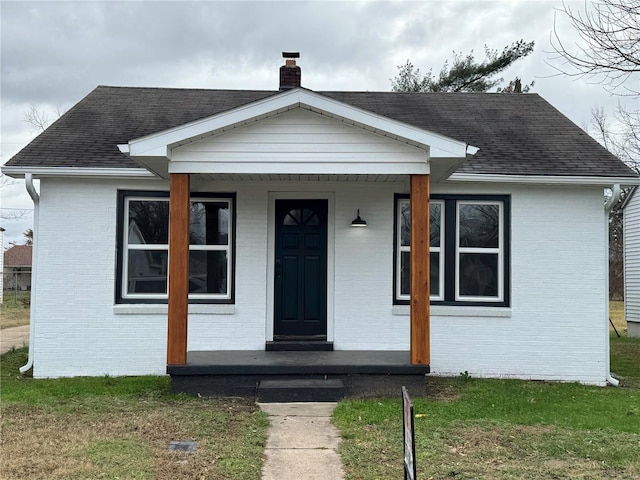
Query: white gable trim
{"points": [[160, 144]]}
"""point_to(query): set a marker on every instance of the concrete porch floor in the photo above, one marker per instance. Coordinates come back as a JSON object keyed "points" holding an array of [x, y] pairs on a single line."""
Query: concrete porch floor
{"points": [[241, 373], [258, 362]]}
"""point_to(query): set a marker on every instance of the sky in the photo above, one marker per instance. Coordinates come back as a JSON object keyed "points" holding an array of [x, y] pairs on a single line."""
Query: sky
{"points": [[54, 53]]}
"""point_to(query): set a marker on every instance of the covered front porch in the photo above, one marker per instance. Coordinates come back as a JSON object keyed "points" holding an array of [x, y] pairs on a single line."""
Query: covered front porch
{"points": [[294, 137]]}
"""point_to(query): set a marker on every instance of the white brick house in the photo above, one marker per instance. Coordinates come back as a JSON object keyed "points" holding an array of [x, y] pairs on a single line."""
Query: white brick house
{"points": [[502, 273]]}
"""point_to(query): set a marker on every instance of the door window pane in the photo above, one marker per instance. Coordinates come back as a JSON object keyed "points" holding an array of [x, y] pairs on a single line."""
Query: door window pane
{"points": [[309, 217], [293, 217]]}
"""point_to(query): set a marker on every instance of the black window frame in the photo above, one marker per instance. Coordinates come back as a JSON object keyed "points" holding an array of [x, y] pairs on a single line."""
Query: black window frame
{"points": [[450, 213], [122, 196]]}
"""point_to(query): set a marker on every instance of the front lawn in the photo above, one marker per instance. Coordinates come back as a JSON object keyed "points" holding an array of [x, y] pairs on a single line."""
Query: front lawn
{"points": [[112, 428], [504, 429]]}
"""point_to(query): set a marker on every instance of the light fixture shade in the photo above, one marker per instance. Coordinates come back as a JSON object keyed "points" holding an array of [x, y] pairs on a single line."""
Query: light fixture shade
{"points": [[358, 222]]}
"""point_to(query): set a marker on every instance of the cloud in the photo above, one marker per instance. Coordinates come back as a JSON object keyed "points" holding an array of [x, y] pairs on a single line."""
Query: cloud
{"points": [[54, 53]]}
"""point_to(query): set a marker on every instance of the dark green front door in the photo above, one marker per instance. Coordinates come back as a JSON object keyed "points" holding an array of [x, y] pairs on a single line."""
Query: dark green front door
{"points": [[300, 306]]}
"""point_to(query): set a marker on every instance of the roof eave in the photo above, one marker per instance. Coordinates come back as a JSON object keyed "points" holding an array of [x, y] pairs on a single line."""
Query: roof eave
{"points": [[83, 172], [545, 179]]}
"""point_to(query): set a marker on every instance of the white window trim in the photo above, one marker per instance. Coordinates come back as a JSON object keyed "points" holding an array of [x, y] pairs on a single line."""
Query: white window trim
{"points": [[213, 248], [400, 248], [441, 251], [460, 311], [499, 251], [127, 247], [407, 248]]}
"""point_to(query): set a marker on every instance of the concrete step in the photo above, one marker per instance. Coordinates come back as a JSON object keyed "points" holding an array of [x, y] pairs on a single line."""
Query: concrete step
{"points": [[293, 346], [300, 390]]}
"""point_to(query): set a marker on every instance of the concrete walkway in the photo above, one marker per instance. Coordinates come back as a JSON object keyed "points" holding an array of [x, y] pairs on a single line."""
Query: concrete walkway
{"points": [[14, 337], [302, 442]]}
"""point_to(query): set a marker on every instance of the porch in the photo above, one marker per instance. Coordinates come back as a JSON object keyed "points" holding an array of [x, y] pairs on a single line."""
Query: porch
{"points": [[298, 375]]}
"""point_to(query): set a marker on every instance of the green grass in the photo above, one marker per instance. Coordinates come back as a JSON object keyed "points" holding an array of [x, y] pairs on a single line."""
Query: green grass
{"points": [[625, 360], [504, 429], [616, 314], [26, 391], [120, 427], [14, 310]]}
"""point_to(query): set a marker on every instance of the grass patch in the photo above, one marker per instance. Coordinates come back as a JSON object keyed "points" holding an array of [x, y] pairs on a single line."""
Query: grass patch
{"points": [[79, 428], [503, 429], [14, 311], [625, 360], [616, 314]]}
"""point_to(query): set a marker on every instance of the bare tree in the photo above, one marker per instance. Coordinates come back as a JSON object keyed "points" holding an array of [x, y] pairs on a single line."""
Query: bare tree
{"points": [[622, 137], [609, 51], [39, 120], [7, 214], [624, 146]]}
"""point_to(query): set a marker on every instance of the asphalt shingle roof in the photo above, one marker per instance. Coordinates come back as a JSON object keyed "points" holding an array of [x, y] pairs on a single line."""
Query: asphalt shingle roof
{"points": [[518, 134], [18, 256]]}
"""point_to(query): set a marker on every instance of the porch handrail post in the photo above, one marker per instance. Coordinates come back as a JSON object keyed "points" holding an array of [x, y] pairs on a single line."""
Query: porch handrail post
{"points": [[420, 275], [178, 269]]}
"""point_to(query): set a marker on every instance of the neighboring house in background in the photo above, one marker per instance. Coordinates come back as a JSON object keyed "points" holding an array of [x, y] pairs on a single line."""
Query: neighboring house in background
{"points": [[484, 248], [631, 229], [16, 272]]}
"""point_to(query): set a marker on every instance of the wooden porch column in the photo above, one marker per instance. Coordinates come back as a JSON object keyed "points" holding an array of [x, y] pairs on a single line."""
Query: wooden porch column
{"points": [[178, 269], [420, 276]]}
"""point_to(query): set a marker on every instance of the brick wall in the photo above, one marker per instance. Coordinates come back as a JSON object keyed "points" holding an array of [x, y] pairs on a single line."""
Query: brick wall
{"points": [[553, 330]]}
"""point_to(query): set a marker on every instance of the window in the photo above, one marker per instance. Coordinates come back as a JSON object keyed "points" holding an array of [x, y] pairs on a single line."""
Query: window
{"points": [[469, 250], [403, 248], [143, 248]]}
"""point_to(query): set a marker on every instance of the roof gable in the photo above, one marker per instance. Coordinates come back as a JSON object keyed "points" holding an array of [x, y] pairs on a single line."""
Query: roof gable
{"points": [[297, 141], [160, 143]]}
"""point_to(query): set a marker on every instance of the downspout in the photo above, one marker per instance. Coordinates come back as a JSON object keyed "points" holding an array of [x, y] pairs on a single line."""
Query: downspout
{"points": [[608, 206], [28, 181]]}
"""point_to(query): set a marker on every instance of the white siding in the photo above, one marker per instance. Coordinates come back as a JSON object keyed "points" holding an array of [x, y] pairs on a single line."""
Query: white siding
{"points": [[553, 330], [632, 263], [303, 141]]}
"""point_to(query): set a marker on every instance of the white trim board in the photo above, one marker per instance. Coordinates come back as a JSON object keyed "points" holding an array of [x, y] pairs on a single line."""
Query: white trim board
{"points": [[84, 172], [271, 245], [543, 179]]}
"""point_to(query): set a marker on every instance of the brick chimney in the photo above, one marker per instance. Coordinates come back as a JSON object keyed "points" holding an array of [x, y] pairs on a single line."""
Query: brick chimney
{"points": [[290, 73]]}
